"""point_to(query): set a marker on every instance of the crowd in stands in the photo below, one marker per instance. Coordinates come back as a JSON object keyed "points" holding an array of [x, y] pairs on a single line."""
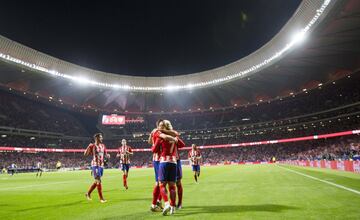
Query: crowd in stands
{"points": [[198, 137], [343, 92], [333, 108], [341, 148], [22, 113]]}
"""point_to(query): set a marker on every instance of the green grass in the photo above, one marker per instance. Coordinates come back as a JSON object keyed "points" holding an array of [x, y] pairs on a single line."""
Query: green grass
{"points": [[227, 192]]}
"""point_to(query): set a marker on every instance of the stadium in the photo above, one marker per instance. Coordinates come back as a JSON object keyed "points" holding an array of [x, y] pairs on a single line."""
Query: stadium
{"points": [[110, 111]]}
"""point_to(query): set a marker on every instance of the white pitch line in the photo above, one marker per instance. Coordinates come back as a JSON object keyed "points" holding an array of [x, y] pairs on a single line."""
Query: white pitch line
{"points": [[323, 181]]}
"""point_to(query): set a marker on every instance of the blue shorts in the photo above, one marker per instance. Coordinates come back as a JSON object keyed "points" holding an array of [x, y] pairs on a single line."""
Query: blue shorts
{"points": [[167, 172], [196, 168], [97, 171], [156, 165], [178, 170], [125, 167]]}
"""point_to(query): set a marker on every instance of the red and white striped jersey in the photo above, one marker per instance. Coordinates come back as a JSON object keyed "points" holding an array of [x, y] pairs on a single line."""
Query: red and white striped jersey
{"points": [[168, 150], [124, 154], [98, 152], [155, 136], [194, 157]]}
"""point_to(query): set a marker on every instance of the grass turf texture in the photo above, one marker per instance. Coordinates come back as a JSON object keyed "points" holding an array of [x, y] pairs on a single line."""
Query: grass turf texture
{"points": [[226, 192]]}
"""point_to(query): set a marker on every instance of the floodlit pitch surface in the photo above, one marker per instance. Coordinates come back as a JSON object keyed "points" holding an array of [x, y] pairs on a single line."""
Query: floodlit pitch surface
{"points": [[224, 192]]}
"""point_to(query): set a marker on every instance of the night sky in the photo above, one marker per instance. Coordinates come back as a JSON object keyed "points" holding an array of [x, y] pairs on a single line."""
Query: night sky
{"points": [[148, 37]]}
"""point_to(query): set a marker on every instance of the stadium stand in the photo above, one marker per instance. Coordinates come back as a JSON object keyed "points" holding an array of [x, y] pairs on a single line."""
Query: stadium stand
{"points": [[289, 117]]}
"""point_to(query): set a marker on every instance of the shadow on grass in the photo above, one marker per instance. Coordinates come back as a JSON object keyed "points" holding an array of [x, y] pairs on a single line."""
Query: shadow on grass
{"points": [[195, 210], [192, 210], [79, 202]]}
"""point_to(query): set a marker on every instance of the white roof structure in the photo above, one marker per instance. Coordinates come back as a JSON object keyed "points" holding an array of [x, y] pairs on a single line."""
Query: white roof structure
{"points": [[309, 14]]}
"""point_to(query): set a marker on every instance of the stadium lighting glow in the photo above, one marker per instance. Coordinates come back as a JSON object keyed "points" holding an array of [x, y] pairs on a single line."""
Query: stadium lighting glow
{"points": [[172, 88], [298, 37], [81, 80]]}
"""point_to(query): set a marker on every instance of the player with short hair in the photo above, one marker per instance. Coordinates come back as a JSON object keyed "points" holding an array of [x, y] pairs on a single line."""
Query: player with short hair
{"points": [[124, 153], [39, 169], [168, 146], [99, 152], [195, 157], [156, 161]]}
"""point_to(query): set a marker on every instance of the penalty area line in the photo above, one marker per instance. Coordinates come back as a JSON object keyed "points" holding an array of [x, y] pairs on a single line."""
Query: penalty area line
{"points": [[320, 180]]}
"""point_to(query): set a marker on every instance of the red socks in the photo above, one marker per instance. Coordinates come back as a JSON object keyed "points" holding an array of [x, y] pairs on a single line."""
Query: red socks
{"points": [[159, 197], [156, 193], [124, 180], [92, 187], [99, 188], [172, 190], [163, 193], [180, 193]]}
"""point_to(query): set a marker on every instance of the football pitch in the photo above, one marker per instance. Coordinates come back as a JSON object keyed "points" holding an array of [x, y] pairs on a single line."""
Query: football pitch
{"points": [[225, 192]]}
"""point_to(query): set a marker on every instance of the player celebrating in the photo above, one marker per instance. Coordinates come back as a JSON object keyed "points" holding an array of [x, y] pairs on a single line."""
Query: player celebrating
{"points": [[124, 153], [164, 134], [178, 179], [167, 167], [179, 187], [156, 203], [39, 170], [195, 157], [98, 151]]}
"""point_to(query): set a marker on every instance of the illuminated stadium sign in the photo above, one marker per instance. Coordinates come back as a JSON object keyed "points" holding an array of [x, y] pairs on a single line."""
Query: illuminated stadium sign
{"points": [[113, 119]]}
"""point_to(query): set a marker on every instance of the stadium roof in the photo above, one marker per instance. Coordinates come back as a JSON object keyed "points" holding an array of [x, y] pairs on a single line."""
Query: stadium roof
{"points": [[282, 66]]}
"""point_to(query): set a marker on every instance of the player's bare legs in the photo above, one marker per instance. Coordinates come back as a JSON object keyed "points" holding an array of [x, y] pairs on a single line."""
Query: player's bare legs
{"points": [[164, 195], [180, 193], [156, 202], [172, 191], [125, 176], [39, 173], [195, 176], [96, 184]]}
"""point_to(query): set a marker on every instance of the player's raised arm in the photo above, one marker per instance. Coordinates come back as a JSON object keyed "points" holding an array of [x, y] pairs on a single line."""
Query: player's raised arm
{"points": [[155, 148], [168, 137], [180, 143], [150, 139], [170, 132], [88, 150]]}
